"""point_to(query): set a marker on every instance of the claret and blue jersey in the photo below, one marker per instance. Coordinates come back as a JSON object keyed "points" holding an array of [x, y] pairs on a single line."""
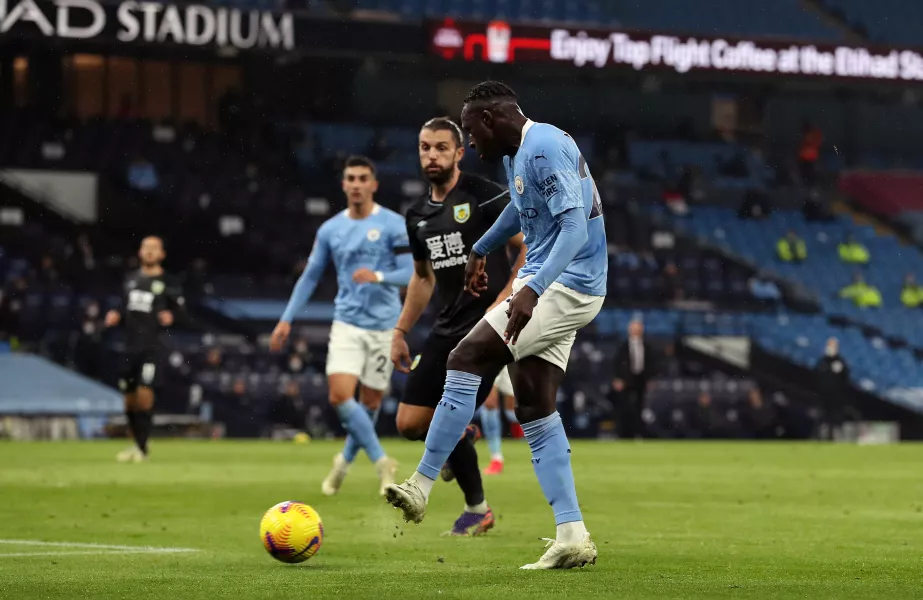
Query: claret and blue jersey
{"points": [[548, 176]]}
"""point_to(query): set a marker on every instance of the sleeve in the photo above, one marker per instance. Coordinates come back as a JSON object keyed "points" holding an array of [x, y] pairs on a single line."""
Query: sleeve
{"points": [[306, 284], [554, 171], [400, 276], [571, 239], [506, 226], [400, 237], [417, 249]]}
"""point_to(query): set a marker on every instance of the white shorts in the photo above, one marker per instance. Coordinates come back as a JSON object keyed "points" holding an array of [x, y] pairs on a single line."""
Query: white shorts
{"points": [[503, 383], [363, 353], [550, 333]]}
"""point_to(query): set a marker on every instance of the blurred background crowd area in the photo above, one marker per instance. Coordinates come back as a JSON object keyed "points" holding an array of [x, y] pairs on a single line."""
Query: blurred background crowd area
{"points": [[762, 226]]}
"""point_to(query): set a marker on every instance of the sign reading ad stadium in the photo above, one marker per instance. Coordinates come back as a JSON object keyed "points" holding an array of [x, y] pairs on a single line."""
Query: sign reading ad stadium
{"points": [[147, 22], [500, 42]]}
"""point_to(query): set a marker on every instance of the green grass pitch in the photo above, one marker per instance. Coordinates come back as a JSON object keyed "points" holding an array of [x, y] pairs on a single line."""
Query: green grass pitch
{"points": [[671, 520]]}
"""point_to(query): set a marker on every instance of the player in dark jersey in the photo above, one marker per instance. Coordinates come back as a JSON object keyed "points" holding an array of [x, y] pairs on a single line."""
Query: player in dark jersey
{"points": [[442, 227], [151, 299]]}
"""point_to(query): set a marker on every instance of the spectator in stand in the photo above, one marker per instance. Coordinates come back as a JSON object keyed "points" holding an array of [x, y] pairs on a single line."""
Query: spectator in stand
{"points": [[378, 149], [852, 252], [288, 408], [791, 248], [672, 282], [142, 175], [48, 273], [834, 389], [863, 294], [809, 153], [635, 366], [213, 360], [11, 302], [759, 418], [912, 292], [88, 350], [705, 420]]}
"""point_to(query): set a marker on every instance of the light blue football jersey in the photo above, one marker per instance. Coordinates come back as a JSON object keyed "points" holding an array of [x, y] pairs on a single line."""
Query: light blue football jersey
{"points": [[548, 176], [373, 243]]}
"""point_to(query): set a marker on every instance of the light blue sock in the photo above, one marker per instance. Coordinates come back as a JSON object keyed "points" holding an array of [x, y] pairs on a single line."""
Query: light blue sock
{"points": [[510, 415], [454, 412], [359, 425], [551, 461], [352, 447], [490, 423]]}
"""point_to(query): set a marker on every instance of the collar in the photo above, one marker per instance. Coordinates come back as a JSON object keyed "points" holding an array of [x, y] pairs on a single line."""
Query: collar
{"points": [[525, 130], [376, 208]]}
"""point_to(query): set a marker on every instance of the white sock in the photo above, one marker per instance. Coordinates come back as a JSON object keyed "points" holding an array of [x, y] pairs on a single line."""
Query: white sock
{"points": [[425, 483], [497, 456], [570, 533], [478, 509]]}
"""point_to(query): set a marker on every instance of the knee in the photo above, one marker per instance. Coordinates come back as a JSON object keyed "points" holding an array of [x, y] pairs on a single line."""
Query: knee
{"points": [[338, 397], [462, 358], [411, 428], [370, 398]]}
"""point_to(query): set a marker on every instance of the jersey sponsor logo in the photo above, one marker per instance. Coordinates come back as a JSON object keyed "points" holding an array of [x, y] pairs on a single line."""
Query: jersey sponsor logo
{"points": [[519, 185], [373, 235], [416, 361], [462, 212], [548, 186], [157, 287], [140, 301], [446, 250]]}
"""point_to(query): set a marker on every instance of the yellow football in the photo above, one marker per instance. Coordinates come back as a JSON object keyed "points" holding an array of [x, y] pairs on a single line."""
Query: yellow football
{"points": [[291, 532]]}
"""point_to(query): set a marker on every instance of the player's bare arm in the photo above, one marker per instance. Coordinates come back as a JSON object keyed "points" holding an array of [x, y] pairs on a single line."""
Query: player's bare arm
{"points": [[419, 293], [517, 245]]}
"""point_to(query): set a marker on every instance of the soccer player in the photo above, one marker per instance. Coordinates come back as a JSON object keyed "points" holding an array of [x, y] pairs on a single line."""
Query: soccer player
{"points": [[490, 420], [151, 298], [442, 226], [560, 289], [368, 245]]}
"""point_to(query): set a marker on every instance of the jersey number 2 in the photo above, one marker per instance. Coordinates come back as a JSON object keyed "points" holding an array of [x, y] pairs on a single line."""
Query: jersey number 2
{"points": [[597, 210]]}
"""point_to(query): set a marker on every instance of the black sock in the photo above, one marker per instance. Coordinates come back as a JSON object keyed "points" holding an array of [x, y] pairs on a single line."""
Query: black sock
{"points": [[143, 419], [132, 417], [464, 463]]}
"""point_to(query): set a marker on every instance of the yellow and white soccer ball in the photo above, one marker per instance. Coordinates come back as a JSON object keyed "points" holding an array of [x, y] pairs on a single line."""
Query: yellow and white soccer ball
{"points": [[291, 532]]}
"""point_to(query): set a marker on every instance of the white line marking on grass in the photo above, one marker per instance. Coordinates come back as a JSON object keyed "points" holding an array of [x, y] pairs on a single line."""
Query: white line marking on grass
{"points": [[88, 548], [95, 552]]}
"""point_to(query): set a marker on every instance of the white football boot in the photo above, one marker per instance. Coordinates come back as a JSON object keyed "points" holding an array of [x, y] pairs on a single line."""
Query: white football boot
{"points": [[334, 480], [409, 498], [132, 454], [387, 468], [559, 555]]}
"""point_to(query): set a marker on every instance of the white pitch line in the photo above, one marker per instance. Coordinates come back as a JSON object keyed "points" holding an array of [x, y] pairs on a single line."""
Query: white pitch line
{"points": [[95, 546], [100, 552]]}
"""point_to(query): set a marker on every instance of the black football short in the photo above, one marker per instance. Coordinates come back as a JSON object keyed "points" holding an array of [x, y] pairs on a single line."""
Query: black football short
{"points": [[139, 369], [426, 381]]}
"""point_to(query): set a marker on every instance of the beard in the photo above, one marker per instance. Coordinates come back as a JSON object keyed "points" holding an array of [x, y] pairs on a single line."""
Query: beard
{"points": [[439, 177]]}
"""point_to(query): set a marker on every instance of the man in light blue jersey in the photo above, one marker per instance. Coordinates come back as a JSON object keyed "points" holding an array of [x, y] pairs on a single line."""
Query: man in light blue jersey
{"points": [[369, 247], [560, 289]]}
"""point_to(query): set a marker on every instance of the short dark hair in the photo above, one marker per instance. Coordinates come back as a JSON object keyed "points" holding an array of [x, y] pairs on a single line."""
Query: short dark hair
{"points": [[446, 124], [357, 160], [491, 90]]}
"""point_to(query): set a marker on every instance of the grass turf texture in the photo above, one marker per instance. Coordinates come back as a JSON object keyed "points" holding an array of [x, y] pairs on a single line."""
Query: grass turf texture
{"points": [[671, 520]]}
